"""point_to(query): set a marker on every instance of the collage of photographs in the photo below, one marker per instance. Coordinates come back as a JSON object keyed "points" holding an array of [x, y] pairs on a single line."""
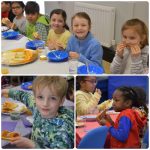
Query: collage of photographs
{"points": [[74, 74]]}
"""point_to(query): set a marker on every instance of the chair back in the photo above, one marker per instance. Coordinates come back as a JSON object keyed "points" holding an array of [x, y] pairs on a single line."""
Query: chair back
{"points": [[94, 139]]}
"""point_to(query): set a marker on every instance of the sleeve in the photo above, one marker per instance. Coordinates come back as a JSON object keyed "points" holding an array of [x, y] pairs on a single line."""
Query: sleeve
{"points": [[41, 29], [145, 56], [24, 97], [68, 47], [96, 54], [123, 130], [116, 65], [84, 105]]}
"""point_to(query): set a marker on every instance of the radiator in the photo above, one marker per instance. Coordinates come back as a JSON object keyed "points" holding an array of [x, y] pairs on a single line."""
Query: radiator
{"points": [[103, 21]]}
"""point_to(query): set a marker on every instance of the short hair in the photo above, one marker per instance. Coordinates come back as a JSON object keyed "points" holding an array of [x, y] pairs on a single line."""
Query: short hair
{"points": [[54, 83], [140, 27], [32, 8], [82, 15], [19, 2], [7, 2]]}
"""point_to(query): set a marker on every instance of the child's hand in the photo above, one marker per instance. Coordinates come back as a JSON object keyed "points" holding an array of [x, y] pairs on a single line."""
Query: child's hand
{"points": [[51, 44], [102, 121], [98, 91], [4, 92], [59, 45], [135, 50], [22, 142], [108, 118], [74, 55], [36, 35], [120, 49]]}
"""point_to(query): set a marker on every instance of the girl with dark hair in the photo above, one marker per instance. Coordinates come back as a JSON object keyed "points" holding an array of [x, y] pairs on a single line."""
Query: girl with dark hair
{"points": [[19, 22], [59, 33], [125, 131]]}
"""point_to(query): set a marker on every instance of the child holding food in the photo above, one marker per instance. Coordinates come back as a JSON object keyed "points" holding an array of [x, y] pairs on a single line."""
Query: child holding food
{"points": [[53, 125]]}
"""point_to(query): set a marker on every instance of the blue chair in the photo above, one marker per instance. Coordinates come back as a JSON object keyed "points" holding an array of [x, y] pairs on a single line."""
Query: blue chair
{"points": [[94, 139], [145, 142]]}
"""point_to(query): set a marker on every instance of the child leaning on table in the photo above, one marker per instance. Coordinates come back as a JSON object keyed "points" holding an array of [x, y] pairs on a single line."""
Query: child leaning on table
{"points": [[59, 33], [132, 53], [37, 26], [82, 45], [125, 131], [53, 125]]}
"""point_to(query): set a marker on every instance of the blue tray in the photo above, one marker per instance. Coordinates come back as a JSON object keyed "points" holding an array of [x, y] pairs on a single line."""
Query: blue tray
{"points": [[25, 85], [57, 56], [92, 69], [10, 34], [35, 44]]}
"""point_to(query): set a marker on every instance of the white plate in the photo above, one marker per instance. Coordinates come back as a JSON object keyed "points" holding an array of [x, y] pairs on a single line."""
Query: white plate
{"points": [[89, 117], [19, 108], [4, 28], [30, 119]]}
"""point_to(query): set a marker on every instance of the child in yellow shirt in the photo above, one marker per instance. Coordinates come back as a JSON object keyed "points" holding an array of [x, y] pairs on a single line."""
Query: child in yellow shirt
{"points": [[59, 33]]}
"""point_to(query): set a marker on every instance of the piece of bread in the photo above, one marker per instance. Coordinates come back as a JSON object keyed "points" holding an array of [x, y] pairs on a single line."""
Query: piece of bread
{"points": [[8, 107], [35, 34], [7, 135], [5, 20]]}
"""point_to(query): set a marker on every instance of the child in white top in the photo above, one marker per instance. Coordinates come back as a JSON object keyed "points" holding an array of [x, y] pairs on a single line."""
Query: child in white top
{"points": [[132, 53]]}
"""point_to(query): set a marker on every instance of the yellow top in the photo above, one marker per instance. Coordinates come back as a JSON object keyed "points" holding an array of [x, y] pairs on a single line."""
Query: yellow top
{"points": [[61, 38], [86, 102]]}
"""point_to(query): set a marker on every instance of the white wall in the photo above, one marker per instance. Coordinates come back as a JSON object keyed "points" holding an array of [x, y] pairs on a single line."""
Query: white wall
{"points": [[124, 11]]}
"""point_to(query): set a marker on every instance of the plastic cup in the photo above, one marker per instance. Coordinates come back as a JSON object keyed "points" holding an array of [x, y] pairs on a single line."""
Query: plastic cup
{"points": [[73, 65]]}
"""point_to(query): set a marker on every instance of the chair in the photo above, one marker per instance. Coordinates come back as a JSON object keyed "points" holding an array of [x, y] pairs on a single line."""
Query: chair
{"points": [[94, 138], [145, 141]]}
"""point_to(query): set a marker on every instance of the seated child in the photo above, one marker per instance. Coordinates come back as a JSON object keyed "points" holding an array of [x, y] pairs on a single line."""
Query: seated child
{"points": [[53, 125], [19, 21], [125, 131], [82, 45], [59, 33], [38, 25], [132, 53], [86, 101]]}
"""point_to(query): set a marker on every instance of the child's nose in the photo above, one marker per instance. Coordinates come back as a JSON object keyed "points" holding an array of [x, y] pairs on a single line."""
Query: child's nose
{"points": [[45, 103]]}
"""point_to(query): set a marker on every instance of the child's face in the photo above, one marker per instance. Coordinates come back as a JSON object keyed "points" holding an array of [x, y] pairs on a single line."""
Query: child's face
{"points": [[57, 22], [89, 84], [130, 37], [32, 18], [17, 9], [5, 7], [47, 102], [80, 27], [118, 102]]}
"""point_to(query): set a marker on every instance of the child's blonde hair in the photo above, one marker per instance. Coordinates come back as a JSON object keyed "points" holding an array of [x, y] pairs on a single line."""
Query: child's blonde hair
{"points": [[140, 27], [82, 15], [54, 83]]}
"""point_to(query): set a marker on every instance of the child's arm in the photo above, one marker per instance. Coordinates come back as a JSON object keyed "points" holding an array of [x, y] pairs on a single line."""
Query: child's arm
{"points": [[123, 130], [24, 97]]}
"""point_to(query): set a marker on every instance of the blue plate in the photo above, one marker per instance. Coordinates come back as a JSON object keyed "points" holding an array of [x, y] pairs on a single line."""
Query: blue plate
{"points": [[26, 85], [10, 34], [35, 44], [92, 69], [57, 56]]}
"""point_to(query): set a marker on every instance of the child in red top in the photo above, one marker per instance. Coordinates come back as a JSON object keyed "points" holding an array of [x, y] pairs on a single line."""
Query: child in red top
{"points": [[124, 132]]}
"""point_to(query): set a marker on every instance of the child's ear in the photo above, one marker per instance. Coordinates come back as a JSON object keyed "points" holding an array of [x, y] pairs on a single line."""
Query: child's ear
{"points": [[129, 103]]}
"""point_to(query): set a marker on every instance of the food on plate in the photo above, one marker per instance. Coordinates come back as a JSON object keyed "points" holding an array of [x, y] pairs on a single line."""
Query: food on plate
{"points": [[18, 56], [7, 135], [5, 20], [30, 87], [105, 105], [8, 107]]}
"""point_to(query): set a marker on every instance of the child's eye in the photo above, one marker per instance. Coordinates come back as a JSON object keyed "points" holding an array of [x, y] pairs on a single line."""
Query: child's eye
{"points": [[53, 98], [40, 97]]}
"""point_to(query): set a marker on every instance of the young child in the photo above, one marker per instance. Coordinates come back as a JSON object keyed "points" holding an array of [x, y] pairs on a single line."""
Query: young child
{"points": [[82, 45], [53, 125], [86, 101], [59, 33], [38, 25], [124, 132], [132, 53], [6, 11], [19, 21]]}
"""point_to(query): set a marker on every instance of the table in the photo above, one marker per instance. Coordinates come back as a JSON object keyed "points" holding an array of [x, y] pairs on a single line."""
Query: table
{"points": [[89, 125], [36, 67], [14, 125]]}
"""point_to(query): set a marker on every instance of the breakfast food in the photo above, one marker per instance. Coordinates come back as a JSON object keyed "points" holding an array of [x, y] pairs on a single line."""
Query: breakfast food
{"points": [[101, 115], [5, 20], [30, 87], [105, 105], [36, 35], [43, 57], [8, 107], [7, 135], [18, 56]]}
